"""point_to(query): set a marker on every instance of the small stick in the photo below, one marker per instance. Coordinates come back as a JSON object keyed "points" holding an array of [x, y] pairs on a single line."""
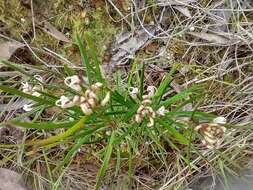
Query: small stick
{"points": [[33, 20]]}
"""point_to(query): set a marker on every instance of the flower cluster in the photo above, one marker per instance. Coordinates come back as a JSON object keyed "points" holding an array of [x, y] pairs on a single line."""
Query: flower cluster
{"points": [[145, 110], [88, 101], [32, 90], [212, 132]]}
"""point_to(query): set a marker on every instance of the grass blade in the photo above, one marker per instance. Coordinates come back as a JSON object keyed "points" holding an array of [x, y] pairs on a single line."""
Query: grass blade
{"points": [[93, 54], [182, 95], [142, 80], [24, 95], [85, 58], [174, 132], [42, 126], [164, 84], [106, 161], [79, 142]]}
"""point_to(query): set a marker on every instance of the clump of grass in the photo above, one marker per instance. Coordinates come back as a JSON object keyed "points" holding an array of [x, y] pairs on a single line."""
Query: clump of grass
{"points": [[120, 143]]}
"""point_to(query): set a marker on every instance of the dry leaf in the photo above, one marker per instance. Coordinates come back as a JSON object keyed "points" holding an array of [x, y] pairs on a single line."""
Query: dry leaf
{"points": [[10, 180], [180, 5], [13, 105], [8, 48], [51, 30], [211, 37], [128, 44], [184, 10], [221, 14], [174, 2]]}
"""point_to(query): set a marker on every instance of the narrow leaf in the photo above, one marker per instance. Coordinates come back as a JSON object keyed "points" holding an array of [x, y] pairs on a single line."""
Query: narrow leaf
{"points": [[28, 96], [85, 58], [106, 161], [61, 136], [44, 126], [164, 84], [95, 60], [174, 132]]}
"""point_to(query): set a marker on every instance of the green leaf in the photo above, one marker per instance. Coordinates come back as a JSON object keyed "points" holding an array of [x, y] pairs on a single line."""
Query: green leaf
{"points": [[79, 142], [142, 80], [106, 161], [164, 84], [87, 132], [44, 126], [61, 136], [197, 114], [180, 96], [68, 70], [174, 132], [129, 130], [131, 73], [93, 54], [117, 168], [28, 96], [120, 99], [130, 113], [13, 66], [180, 106], [85, 58]]}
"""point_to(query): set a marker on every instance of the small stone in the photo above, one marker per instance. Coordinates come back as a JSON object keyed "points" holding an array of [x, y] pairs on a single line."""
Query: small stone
{"points": [[192, 28], [10, 180], [22, 20]]}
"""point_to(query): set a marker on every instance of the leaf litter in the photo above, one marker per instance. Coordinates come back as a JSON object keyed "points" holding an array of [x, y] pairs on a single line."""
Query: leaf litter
{"points": [[128, 43], [54, 32], [8, 48]]}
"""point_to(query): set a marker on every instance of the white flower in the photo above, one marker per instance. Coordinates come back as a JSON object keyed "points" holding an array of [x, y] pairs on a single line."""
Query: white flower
{"points": [[151, 122], [162, 111], [38, 77], [151, 91], [86, 109], [138, 118], [220, 120], [133, 92], [73, 82], [97, 86], [35, 89], [88, 102], [90, 94], [27, 88], [64, 102], [108, 133], [77, 100], [146, 100], [106, 99], [28, 107], [92, 102]]}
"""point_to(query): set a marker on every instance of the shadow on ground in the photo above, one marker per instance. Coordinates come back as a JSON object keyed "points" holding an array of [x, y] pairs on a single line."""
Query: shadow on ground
{"points": [[242, 182]]}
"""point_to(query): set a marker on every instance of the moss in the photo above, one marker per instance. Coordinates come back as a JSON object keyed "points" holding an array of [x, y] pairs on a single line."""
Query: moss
{"points": [[101, 29], [67, 16], [11, 14]]}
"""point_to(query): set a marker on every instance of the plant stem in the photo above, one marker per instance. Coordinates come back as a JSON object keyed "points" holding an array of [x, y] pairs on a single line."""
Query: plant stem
{"points": [[60, 136]]}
